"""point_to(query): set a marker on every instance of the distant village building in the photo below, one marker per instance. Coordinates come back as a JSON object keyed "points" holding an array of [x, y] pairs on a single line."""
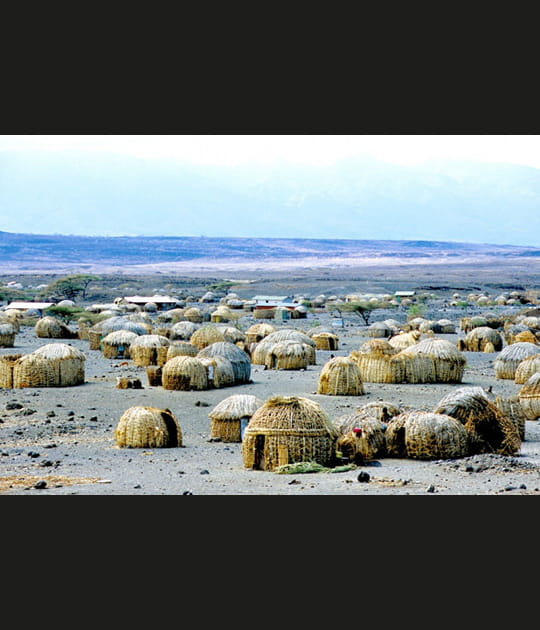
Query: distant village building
{"points": [[399, 295], [162, 302], [26, 306], [272, 301]]}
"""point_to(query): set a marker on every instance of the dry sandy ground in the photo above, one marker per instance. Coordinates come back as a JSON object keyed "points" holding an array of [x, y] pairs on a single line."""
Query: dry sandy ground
{"points": [[63, 437]]}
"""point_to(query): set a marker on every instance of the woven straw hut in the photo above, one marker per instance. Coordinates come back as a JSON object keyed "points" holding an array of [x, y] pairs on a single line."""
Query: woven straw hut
{"points": [[149, 350], [52, 365], [257, 332], [415, 323], [240, 360], [382, 410], [205, 335], [286, 430], [489, 429], [219, 371], [529, 397], [115, 345], [184, 373], [512, 331], [326, 341], [6, 318], [426, 435], [405, 339], [477, 338], [193, 314], [531, 321], [7, 364], [361, 438], [181, 348], [526, 368], [287, 355], [447, 326], [233, 334], [230, 417], [468, 323], [221, 314], [448, 361], [8, 332], [53, 328], [507, 361], [106, 326], [525, 335], [379, 330], [291, 334], [147, 427], [182, 330], [340, 376], [264, 313], [374, 360]]}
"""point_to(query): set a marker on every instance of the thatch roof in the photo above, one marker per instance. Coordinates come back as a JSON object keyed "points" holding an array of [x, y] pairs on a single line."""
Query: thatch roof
{"points": [[256, 332], [235, 407], [361, 438], [231, 333], [184, 373], [526, 368], [205, 335], [340, 376], [405, 339], [8, 332], [182, 330], [477, 338], [286, 430], [147, 427], [506, 363], [287, 355], [325, 340], [116, 344], [239, 359], [51, 365], [149, 349], [426, 435], [379, 329], [53, 328], [373, 358], [529, 397], [448, 361], [181, 348], [490, 430], [193, 314]]}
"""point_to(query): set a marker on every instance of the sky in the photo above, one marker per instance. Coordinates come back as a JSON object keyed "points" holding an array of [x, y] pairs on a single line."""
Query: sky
{"points": [[307, 149]]}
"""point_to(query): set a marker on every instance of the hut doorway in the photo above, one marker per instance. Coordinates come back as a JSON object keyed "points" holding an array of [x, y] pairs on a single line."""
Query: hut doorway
{"points": [[258, 456]]}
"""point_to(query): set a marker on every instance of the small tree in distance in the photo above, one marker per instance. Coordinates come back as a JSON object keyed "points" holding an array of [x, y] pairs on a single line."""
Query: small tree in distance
{"points": [[362, 309], [69, 287]]}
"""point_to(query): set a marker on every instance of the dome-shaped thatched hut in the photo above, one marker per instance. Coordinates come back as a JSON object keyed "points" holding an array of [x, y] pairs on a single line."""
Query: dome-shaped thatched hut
{"points": [[230, 417], [149, 350], [106, 326], [205, 335], [291, 334], [287, 355], [506, 363], [511, 331], [379, 330], [340, 376], [219, 371], [257, 332], [147, 427], [53, 328], [477, 339], [526, 368], [374, 360], [525, 335], [426, 435], [8, 332], [182, 330], [240, 360], [181, 348], [184, 373], [286, 430], [194, 314], [326, 341], [405, 339], [529, 397], [52, 365], [489, 429], [360, 437], [233, 334], [115, 345], [448, 361]]}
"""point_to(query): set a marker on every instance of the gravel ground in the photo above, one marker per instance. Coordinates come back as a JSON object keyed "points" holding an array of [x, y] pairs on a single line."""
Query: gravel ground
{"points": [[60, 441]]}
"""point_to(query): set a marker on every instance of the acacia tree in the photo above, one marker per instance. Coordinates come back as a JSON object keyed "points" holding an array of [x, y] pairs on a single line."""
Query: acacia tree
{"points": [[70, 287], [362, 309]]}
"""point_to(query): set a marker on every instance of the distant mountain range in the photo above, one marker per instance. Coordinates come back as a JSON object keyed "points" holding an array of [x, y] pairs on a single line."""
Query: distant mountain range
{"points": [[358, 198], [53, 252]]}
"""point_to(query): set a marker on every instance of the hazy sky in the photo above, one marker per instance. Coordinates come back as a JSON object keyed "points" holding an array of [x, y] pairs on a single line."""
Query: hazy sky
{"points": [[309, 149]]}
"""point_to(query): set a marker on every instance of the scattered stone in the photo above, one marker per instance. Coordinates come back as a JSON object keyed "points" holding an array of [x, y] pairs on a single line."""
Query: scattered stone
{"points": [[201, 403], [46, 462], [14, 405], [431, 488], [33, 454], [205, 472], [187, 492], [363, 477], [137, 486], [51, 414], [40, 485]]}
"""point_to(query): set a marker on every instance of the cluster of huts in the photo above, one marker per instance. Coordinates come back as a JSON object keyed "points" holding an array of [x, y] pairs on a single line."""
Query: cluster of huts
{"points": [[180, 350]]}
